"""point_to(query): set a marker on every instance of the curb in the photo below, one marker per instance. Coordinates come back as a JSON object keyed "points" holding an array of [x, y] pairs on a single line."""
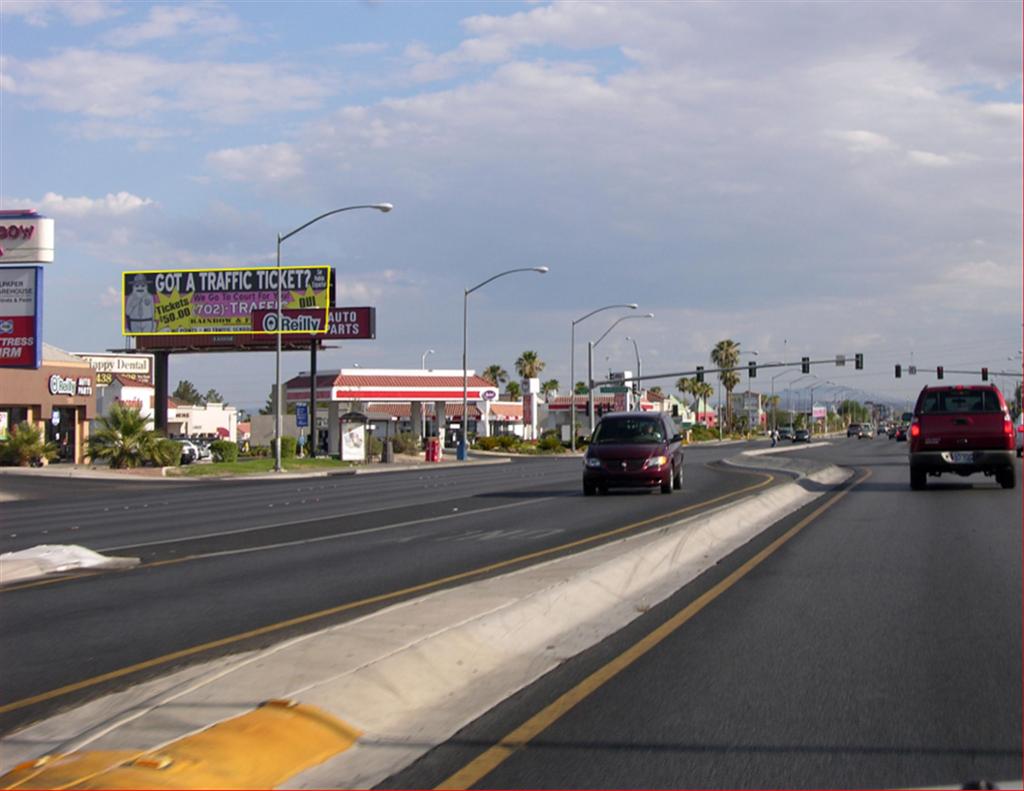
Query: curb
{"points": [[401, 675]]}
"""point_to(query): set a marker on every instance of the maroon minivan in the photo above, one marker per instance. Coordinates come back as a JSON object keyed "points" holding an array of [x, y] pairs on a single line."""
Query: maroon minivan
{"points": [[961, 430], [634, 449]]}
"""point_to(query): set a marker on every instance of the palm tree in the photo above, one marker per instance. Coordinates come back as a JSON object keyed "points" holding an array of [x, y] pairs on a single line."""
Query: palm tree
{"points": [[123, 437], [513, 391], [655, 392], [529, 365], [26, 446], [726, 354], [702, 391], [549, 388], [496, 375]]}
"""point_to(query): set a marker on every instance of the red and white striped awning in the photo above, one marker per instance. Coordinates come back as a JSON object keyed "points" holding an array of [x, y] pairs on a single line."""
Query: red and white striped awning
{"points": [[364, 384]]}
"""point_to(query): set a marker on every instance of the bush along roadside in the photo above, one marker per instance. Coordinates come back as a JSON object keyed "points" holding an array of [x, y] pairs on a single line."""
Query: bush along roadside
{"points": [[549, 443]]}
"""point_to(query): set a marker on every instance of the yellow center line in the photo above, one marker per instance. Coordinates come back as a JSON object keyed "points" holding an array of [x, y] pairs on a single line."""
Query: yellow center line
{"points": [[488, 761], [383, 597]]}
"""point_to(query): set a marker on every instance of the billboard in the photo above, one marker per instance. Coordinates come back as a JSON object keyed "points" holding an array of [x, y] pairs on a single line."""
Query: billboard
{"points": [[25, 238], [137, 367], [216, 301], [341, 323], [21, 317]]}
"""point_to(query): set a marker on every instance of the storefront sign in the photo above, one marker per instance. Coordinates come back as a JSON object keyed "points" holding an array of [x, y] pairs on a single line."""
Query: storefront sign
{"points": [[25, 238], [137, 367], [341, 323], [204, 301], [21, 317], [69, 386]]}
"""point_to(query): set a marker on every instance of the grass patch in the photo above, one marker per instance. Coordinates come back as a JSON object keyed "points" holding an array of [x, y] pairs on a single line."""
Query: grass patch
{"points": [[260, 465]]}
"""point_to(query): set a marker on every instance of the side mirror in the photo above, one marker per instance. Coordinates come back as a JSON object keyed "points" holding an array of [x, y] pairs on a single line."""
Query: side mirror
{"points": [[677, 438]]}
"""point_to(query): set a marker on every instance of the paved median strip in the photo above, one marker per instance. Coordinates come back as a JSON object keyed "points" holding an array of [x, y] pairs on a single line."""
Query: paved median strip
{"points": [[259, 749]]}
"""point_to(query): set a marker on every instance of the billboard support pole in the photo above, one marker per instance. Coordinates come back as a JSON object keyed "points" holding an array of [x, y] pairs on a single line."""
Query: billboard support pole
{"points": [[160, 360], [312, 398]]}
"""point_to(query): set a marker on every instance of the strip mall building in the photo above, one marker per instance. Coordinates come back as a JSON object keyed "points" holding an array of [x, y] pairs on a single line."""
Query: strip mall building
{"points": [[59, 397]]}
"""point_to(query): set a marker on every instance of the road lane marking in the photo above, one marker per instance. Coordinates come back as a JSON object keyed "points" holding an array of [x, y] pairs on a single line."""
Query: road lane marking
{"points": [[370, 600], [485, 763]]}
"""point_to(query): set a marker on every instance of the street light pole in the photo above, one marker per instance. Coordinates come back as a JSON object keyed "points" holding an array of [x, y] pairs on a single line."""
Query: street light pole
{"points": [[381, 207], [461, 452], [636, 382], [572, 368], [423, 359], [590, 360]]}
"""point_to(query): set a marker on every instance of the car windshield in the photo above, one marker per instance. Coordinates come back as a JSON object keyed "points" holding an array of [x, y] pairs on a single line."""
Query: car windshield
{"points": [[634, 431], [940, 401]]}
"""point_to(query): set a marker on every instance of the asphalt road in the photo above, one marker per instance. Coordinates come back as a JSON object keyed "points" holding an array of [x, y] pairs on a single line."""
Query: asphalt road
{"points": [[879, 645], [239, 562]]}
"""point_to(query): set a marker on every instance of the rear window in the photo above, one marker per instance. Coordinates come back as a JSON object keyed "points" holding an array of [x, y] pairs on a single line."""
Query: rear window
{"points": [[628, 430], [937, 402]]}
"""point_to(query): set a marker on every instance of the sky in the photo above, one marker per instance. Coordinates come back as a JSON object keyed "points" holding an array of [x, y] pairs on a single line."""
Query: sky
{"points": [[807, 179]]}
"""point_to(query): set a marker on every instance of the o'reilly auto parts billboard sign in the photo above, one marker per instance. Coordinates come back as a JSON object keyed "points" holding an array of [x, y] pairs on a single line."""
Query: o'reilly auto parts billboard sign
{"points": [[339, 324], [218, 301], [21, 317]]}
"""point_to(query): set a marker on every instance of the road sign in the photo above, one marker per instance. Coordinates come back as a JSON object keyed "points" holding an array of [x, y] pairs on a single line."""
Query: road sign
{"points": [[302, 415], [615, 389]]}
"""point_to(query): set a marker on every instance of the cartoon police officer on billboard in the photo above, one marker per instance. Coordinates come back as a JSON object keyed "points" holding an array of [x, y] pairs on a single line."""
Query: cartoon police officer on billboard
{"points": [[139, 307]]}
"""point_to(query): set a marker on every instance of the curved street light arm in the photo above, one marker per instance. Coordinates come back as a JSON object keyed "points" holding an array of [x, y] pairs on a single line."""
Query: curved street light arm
{"points": [[541, 269], [619, 321], [381, 207], [630, 305]]}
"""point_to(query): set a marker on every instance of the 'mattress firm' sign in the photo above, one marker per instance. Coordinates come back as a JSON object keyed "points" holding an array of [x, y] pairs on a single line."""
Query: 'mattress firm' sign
{"points": [[25, 238], [204, 301], [21, 317], [341, 323]]}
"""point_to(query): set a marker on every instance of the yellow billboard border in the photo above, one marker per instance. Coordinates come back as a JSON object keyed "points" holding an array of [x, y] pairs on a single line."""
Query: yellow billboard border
{"points": [[124, 296]]}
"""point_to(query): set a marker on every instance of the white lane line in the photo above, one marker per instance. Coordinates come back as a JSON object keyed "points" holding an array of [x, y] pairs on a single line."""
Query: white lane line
{"points": [[365, 531]]}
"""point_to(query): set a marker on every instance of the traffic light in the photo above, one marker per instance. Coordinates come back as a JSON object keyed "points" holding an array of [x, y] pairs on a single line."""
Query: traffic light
{"points": [[858, 362], [700, 373], [752, 369], [984, 374], [805, 365], [899, 370], [938, 371]]}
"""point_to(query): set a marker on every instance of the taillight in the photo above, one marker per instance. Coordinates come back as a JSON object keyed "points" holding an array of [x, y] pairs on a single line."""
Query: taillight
{"points": [[1008, 427], [915, 430]]}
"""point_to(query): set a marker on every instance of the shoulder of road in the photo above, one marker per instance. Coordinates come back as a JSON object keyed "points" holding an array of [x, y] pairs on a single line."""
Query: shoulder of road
{"points": [[391, 685]]}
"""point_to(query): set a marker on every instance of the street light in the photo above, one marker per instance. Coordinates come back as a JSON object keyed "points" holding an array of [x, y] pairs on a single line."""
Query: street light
{"points": [[423, 359], [636, 385], [381, 207], [590, 362], [461, 453], [572, 365], [775, 409]]}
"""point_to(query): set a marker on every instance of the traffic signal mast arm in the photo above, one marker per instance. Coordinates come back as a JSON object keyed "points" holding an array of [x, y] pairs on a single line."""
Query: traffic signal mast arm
{"points": [[706, 371]]}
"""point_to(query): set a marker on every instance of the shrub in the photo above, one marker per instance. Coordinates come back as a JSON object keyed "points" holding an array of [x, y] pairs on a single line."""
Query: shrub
{"points": [[507, 441], [288, 447], [224, 450], [551, 443], [259, 451], [488, 443], [26, 446], [165, 452], [406, 443]]}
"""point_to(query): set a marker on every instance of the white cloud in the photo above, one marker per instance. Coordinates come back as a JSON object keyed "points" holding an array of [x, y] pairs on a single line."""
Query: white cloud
{"points": [[861, 140], [40, 13], [261, 163], [1009, 111], [356, 49], [984, 286], [928, 159], [141, 87], [164, 22], [110, 205]]}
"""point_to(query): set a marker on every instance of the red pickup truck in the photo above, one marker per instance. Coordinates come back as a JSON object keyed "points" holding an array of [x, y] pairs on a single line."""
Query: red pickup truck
{"points": [[961, 430]]}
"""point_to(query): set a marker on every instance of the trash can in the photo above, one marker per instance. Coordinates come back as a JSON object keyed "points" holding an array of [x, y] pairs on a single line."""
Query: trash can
{"points": [[433, 452]]}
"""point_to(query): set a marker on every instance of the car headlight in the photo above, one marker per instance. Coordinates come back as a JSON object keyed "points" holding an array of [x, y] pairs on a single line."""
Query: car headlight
{"points": [[655, 462], [592, 463]]}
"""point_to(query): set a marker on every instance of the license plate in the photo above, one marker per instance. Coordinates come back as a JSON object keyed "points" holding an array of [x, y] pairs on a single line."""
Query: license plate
{"points": [[962, 458]]}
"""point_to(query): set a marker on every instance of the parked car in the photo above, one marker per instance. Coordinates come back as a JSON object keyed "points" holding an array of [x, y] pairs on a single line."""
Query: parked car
{"points": [[786, 432], [961, 430], [189, 451], [801, 435], [853, 430], [634, 449]]}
